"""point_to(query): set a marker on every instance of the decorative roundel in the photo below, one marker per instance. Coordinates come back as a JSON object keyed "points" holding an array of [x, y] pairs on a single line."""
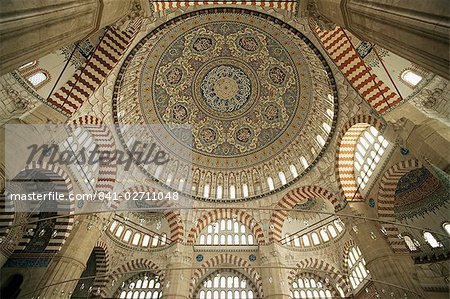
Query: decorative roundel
{"points": [[252, 258], [246, 93], [404, 151], [199, 258], [371, 202]]}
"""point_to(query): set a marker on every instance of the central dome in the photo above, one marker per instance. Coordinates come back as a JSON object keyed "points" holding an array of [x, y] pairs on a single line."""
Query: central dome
{"points": [[253, 93]]}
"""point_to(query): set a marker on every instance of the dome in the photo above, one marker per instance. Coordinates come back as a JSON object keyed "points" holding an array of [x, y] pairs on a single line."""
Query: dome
{"points": [[247, 95]]}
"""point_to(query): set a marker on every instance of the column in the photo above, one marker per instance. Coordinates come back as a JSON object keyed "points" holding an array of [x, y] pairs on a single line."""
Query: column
{"points": [[71, 261], [274, 276], [32, 29], [427, 138], [384, 265], [415, 29], [178, 275]]}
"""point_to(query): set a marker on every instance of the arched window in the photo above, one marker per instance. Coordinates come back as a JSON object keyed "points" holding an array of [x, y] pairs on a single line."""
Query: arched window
{"points": [[245, 190], [370, 148], [411, 78], [409, 242], [136, 239], [27, 65], [315, 238], [320, 140], [356, 267], [324, 235], [81, 139], [326, 127], [282, 178], [270, 183], [127, 236], [142, 286], [206, 191], [310, 286], [219, 192], [293, 170], [146, 241], [304, 162], [446, 227], [232, 192], [305, 240], [330, 113], [226, 232], [119, 231], [226, 283], [113, 226], [431, 240], [332, 231], [38, 79]]}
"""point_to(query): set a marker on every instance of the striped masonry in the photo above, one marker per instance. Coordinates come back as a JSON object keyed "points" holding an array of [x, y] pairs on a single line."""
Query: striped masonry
{"points": [[340, 49], [288, 5], [226, 259], [101, 266], [212, 216], [106, 144], [134, 265], [292, 198], [327, 270], [63, 225], [386, 198], [71, 96], [345, 153], [173, 216]]}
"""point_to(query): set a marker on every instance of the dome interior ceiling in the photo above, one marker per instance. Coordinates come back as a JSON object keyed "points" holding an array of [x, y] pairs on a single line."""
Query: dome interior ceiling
{"points": [[250, 96]]}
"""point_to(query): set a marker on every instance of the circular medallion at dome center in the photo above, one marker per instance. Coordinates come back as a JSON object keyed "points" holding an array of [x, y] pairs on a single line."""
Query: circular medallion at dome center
{"points": [[226, 88]]}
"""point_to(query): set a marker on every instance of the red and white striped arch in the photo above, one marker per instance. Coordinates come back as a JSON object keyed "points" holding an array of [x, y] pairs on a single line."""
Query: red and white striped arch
{"points": [[105, 141], [226, 259], [325, 269], [101, 265], [345, 154], [7, 215], [340, 49], [173, 216], [134, 265], [289, 5], [71, 96], [294, 197], [386, 198], [64, 223], [212, 216], [349, 244]]}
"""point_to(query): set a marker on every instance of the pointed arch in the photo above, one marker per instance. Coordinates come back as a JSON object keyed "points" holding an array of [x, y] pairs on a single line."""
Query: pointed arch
{"points": [[212, 216], [291, 199], [134, 265], [345, 153], [101, 265], [229, 260], [63, 225], [105, 141], [347, 245], [173, 217], [386, 198], [311, 264]]}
